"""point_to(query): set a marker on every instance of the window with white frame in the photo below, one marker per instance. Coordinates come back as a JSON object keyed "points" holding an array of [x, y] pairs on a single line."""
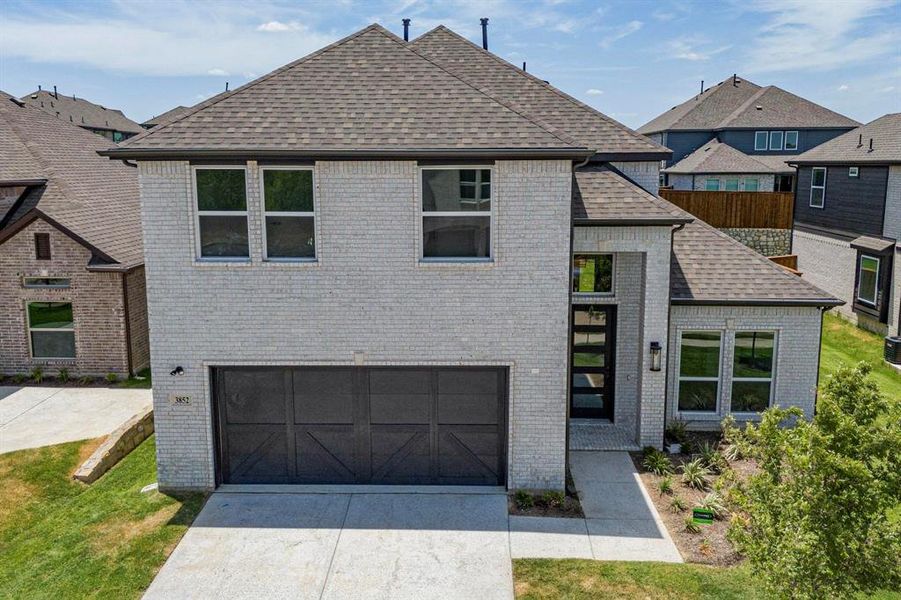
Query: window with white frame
{"points": [[775, 140], [751, 184], [868, 280], [699, 370], [791, 140], [818, 187], [731, 184], [760, 140], [221, 196], [752, 370], [712, 184], [289, 214], [853, 171], [51, 329], [456, 213]]}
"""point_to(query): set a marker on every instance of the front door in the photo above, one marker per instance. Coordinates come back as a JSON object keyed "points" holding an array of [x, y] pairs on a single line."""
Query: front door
{"points": [[593, 352]]}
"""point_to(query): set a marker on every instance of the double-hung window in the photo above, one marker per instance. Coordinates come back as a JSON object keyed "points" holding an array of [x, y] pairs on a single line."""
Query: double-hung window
{"points": [[290, 222], [752, 370], [593, 273], [760, 140], [818, 187], [221, 196], [751, 184], [791, 140], [775, 140], [456, 214], [51, 329], [712, 184], [732, 184], [699, 370], [868, 280]]}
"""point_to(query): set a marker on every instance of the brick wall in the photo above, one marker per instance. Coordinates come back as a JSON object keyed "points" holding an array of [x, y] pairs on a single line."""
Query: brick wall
{"points": [[644, 173], [137, 319], [96, 299], [797, 354], [367, 293]]}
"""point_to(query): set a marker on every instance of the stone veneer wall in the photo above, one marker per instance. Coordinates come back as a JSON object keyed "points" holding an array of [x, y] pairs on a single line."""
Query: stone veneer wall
{"points": [[367, 293], [797, 355], [769, 242]]}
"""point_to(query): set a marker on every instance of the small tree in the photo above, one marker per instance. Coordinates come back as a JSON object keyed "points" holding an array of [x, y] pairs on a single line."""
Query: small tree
{"points": [[818, 520]]}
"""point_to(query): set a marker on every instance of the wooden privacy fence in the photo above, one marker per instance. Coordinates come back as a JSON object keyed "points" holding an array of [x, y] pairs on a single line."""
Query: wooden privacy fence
{"points": [[765, 210]]}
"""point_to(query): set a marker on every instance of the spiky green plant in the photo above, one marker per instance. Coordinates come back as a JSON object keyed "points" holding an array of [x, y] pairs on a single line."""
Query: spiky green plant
{"points": [[657, 463], [523, 500], [37, 374], [690, 525], [694, 474], [665, 485], [715, 503], [677, 504]]}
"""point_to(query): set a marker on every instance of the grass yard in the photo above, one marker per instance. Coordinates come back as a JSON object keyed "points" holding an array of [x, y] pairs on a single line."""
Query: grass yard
{"points": [[62, 539], [845, 345]]}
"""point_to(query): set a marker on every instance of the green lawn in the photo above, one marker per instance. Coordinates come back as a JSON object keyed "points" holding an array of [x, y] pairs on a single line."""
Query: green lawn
{"points": [[846, 345], [63, 539]]}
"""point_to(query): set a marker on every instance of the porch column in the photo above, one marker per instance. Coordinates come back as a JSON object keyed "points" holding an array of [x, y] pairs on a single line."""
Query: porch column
{"points": [[655, 328]]}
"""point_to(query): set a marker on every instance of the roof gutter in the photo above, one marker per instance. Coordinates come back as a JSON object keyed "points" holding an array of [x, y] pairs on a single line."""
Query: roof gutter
{"points": [[22, 182], [830, 302], [572, 153], [846, 161], [632, 222], [632, 156]]}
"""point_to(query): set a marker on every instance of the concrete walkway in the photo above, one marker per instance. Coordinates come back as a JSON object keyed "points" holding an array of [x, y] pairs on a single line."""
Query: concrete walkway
{"points": [[31, 417]]}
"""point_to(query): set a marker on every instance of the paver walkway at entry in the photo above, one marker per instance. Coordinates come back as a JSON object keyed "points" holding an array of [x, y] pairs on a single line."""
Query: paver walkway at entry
{"points": [[621, 522]]}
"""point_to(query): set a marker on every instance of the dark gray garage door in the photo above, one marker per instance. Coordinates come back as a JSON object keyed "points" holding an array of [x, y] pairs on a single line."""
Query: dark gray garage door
{"points": [[361, 425]]}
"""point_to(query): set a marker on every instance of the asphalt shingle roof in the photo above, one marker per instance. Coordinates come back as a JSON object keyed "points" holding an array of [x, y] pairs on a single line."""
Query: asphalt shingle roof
{"points": [[717, 157], [745, 104], [854, 147], [166, 116], [370, 91], [530, 94], [602, 194], [81, 112], [95, 198]]}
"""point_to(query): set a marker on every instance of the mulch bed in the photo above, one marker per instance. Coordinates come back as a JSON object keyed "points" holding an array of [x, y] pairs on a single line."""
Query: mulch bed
{"points": [[570, 509]]}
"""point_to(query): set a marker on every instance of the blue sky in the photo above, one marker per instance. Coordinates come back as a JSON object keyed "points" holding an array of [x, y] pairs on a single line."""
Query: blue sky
{"points": [[632, 60]]}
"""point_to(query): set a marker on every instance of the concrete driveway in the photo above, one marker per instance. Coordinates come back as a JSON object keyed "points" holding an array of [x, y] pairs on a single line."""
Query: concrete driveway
{"points": [[31, 417], [370, 545]]}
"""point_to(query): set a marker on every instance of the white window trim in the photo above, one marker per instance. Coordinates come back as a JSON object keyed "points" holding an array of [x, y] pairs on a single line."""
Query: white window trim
{"points": [[781, 140], [765, 141], [817, 187], [198, 256], [49, 329], [785, 140], [745, 181], [726, 181], [719, 377], [612, 291], [853, 171], [871, 303], [313, 214], [707, 187], [771, 379], [421, 214]]}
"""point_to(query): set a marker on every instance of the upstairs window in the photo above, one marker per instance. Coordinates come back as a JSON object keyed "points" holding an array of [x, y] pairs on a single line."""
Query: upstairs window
{"points": [[42, 246], [699, 371], [752, 370], [51, 329], [791, 140], [456, 214], [853, 171], [46, 282], [593, 273], [290, 223], [775, 140], [818, 187], [221, 195], [760, 140], [868, 280]]}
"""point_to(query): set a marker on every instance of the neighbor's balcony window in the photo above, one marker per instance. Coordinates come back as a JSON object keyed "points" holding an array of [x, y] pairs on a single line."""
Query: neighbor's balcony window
{"points": [[752, 371], [760, 140], [51, 329], [791, 140], [456, 214], [221, 213], [290, 231], [699, 371], [593, 273], [868, 280]]}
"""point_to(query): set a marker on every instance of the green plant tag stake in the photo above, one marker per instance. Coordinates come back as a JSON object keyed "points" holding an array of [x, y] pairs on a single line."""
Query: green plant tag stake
{"points": [[702, 516]]}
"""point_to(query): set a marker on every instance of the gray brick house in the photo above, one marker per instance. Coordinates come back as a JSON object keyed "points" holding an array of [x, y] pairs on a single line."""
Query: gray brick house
{"points": [[412, 262], [71, 263]]}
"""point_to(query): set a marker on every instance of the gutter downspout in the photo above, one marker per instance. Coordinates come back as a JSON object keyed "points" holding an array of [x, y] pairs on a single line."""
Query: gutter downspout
{"points": [[669, 311], [129, 359], [816, 392]]}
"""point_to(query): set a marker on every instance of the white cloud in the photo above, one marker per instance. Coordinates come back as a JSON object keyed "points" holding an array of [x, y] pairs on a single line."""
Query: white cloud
{"points": [[828, 36], [843, 88], [693, 49], [620, 32], [218, 72], [664, 16], [278, 26], [594, 92], [887, 89]]}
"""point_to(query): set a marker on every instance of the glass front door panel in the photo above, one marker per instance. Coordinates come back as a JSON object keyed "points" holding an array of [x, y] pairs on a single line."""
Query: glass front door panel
{"points": [[592, 354]]}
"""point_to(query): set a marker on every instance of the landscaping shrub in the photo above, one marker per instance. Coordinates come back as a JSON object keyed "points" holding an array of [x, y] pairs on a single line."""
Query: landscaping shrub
{"points": [[690, 525], [37, 374], [712, 458], [523, 500], [694, 474], [86, 380], [665, 485], [657, 463], [112, 378], [63, 375], [19, 378], [677, 504], [676, 432], [819, 519], [714, 503], [553, 499]]}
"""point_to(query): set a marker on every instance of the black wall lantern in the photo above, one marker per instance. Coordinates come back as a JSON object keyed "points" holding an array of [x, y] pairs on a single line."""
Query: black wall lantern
{"points": [[655, 356], [177, 372]]}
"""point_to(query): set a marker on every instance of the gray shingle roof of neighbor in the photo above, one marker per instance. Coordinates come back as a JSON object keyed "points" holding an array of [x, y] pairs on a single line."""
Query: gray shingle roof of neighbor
{"points": [[601, 194], [854, 146], [531, 95], [81, 112], [744, 104], [717, 157], [166, 116], [369, 92], [92, 197]]}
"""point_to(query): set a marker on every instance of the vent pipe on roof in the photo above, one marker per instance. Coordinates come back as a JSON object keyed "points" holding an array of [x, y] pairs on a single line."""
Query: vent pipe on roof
{"points": [[871, 145], [859, 140], [523, 65], [55, 95], [406, 23], [39, 87], [735, 79], [484, 21], [226, 86], [702, 87]]}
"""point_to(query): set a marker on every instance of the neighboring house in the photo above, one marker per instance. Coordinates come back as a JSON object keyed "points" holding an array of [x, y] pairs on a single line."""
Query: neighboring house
{"points": [[756, 129], [421, 264], [108, 122], [848, 221], [166, 116], [71, 264]]}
